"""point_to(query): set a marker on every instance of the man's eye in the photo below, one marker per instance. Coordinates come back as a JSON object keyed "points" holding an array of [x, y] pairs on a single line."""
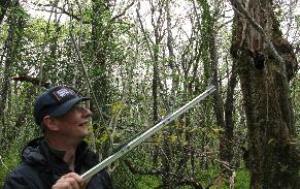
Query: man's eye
{"points": [[80, 105]]}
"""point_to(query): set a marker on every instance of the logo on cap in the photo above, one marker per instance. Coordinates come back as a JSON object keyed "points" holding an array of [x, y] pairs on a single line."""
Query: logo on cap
{"points": [[63, 92]]}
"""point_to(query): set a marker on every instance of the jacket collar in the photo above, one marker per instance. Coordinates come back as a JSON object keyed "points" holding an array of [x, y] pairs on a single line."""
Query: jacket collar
{"points": [[39, 153]]}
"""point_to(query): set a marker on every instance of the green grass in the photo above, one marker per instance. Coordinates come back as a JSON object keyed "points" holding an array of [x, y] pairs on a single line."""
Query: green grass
{"points": [[148, 182], [205, 177], [242, 179]]}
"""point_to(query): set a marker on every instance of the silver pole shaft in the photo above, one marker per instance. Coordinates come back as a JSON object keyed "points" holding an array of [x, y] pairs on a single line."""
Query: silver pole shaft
{"points": [[132, 144]]}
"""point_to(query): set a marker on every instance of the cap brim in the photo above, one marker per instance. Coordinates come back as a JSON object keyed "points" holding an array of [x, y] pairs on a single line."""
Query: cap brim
{"points": [[65, 107]]}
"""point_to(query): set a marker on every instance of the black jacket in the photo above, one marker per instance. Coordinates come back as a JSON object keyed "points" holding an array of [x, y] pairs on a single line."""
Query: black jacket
{"points": [[41, 167]]}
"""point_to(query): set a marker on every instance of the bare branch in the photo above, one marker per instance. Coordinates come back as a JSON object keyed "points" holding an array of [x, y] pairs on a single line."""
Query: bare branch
{"points": [[136, 170], [190, 182], [148, 40], [101, 113], [123, 12], [34, 81], [64, 11], [224, 24]]}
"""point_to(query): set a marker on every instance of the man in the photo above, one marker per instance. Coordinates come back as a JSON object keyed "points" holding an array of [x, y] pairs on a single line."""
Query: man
{"points": [[56, 159]]}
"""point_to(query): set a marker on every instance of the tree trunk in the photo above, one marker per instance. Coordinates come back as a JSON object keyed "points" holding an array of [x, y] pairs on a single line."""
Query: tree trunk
{"points": [[12, 45], [273, 160], [4, 5], [223, 112], [101, 35], [101, 41]]}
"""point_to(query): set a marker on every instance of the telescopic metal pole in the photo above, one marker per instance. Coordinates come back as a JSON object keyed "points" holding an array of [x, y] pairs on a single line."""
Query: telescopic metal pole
{"points": [[132, 144]]}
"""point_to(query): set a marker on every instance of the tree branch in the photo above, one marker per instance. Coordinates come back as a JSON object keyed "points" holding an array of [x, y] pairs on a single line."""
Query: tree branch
{"points": [[136, 170], [63, 11], [123, 12], [190, 182], [34, 81]]}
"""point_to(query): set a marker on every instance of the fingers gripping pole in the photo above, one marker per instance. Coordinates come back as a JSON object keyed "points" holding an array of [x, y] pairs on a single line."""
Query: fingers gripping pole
{"points": [[132, 144]]}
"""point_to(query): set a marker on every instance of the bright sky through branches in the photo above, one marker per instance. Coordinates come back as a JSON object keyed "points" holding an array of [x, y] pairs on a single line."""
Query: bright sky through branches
{"points": [[180, 10]]}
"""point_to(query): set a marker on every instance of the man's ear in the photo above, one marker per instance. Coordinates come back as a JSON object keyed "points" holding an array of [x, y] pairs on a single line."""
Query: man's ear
{"points": [[50, 123]]}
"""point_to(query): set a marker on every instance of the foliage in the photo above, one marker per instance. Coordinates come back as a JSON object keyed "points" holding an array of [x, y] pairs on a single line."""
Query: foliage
{"points": [[119, 49], [11, 158], [123, 178]]}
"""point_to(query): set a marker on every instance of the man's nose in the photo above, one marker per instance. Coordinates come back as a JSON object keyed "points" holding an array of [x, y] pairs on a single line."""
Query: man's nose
{"points": [[87, 112]]}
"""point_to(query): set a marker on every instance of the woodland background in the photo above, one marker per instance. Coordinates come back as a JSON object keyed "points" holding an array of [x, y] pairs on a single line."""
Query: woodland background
{"points": [[142, 59]]}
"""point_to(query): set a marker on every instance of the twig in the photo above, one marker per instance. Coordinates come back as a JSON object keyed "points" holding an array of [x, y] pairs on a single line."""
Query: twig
{"points": [[101, 113], [190, 182], [34, 81], [136, 170], [123, 12], [3, 163], [79, 18], [225, 164], [63, 11], [148, 39]]}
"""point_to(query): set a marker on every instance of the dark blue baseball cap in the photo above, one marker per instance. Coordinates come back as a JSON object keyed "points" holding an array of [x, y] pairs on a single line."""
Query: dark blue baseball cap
{"points": [[56, 102]]}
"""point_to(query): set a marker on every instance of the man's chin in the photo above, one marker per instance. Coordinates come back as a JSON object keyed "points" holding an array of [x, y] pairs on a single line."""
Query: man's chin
{"points": [[85, 134]]}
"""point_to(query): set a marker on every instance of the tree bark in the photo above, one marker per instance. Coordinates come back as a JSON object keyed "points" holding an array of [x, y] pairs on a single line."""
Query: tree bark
{"points": [[223, 111], [273, 160], [101, 47], [101, 34], [12, 45]]}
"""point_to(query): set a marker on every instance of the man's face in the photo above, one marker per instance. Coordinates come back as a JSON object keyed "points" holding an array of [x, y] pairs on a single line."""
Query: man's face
{"points": [[74, 124]]}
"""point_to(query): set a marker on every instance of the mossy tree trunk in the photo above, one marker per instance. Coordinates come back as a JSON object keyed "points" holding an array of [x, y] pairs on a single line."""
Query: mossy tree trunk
{"points": [[272, 157], [102, 42], [101, 36], [223, 109], [16, 23]]}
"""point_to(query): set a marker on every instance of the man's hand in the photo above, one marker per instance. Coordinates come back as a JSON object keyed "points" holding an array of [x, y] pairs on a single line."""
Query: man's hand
{"points": [[69, 181]]}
